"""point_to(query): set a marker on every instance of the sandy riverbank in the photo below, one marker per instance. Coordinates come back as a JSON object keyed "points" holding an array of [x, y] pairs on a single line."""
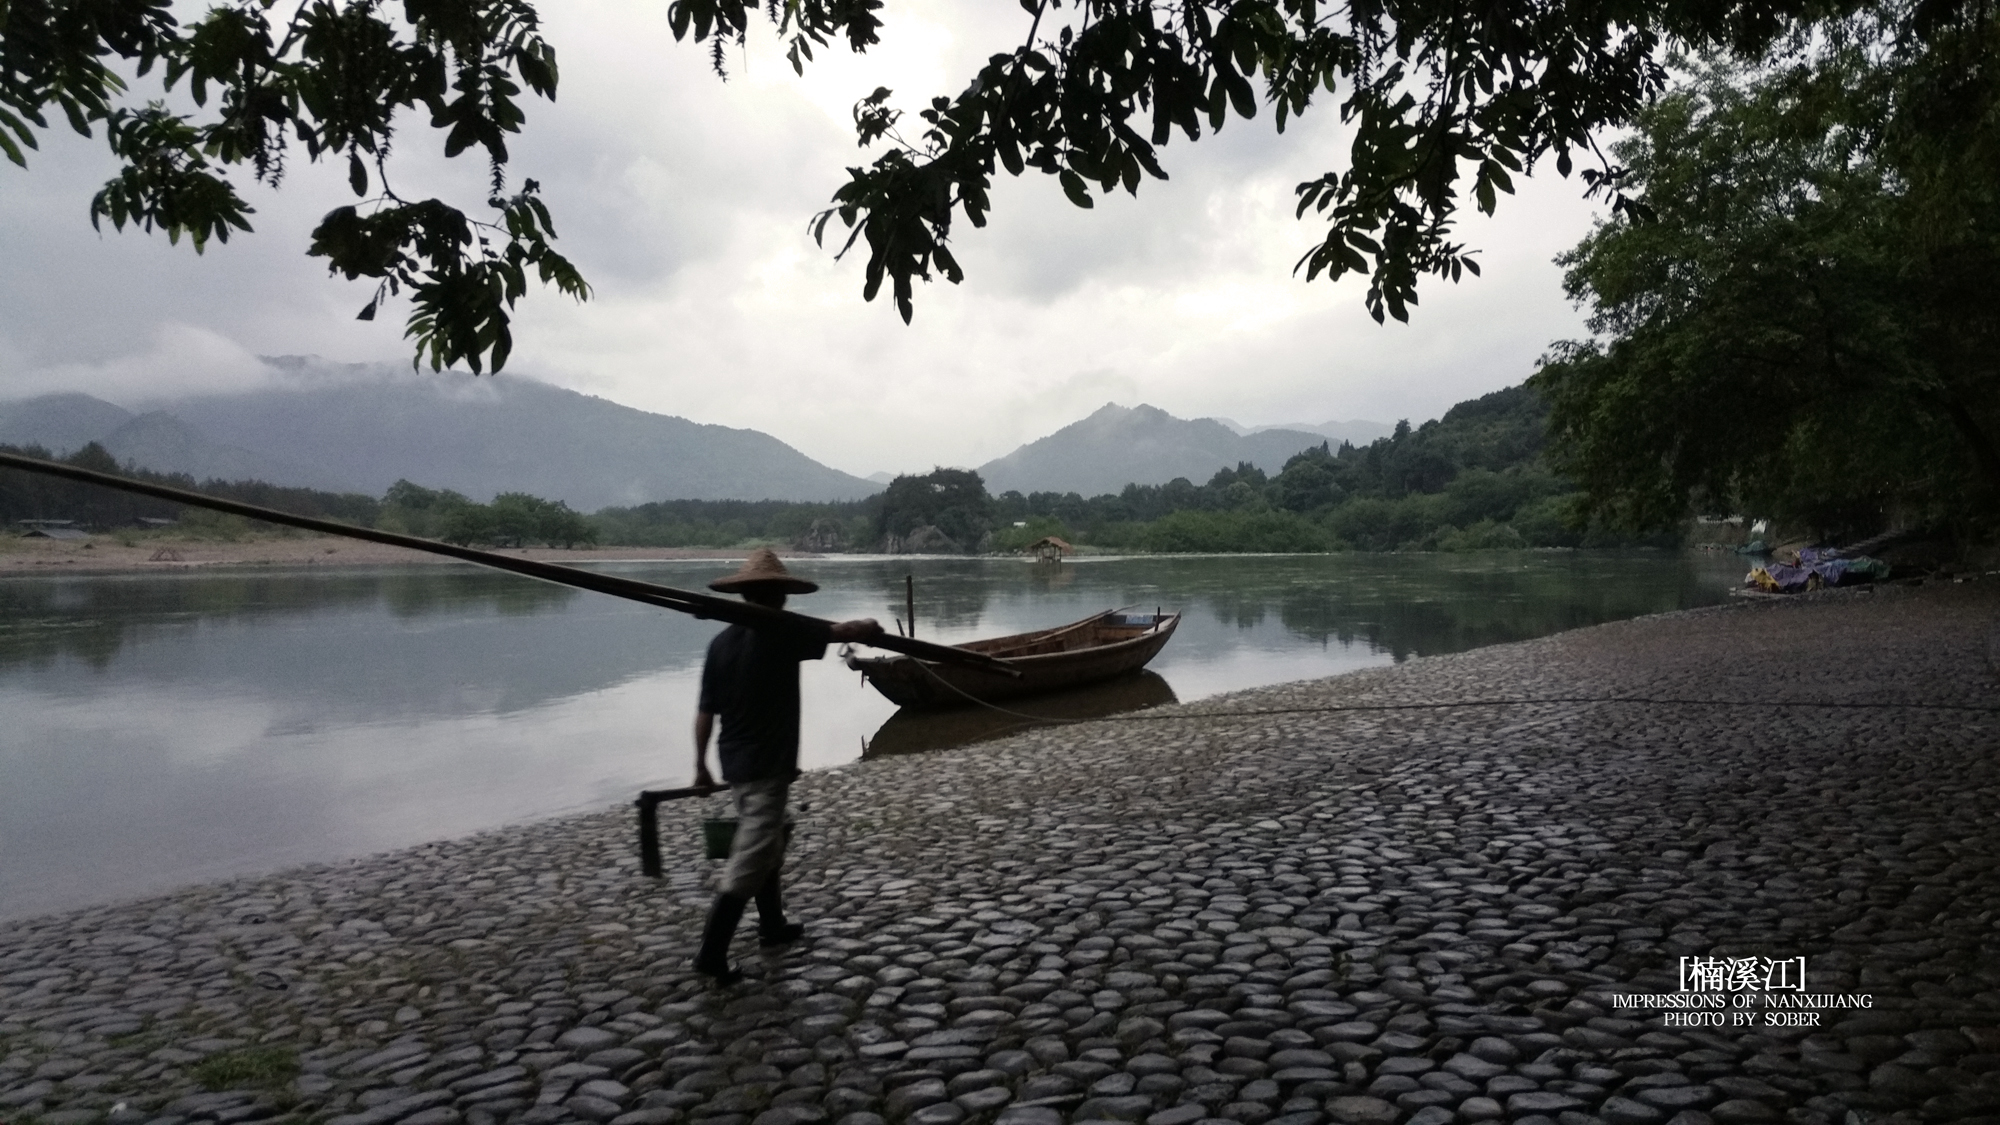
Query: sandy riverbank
{"points": [[105, 554], [1450, 891]]}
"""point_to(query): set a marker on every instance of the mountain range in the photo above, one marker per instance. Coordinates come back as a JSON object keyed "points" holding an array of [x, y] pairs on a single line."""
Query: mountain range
{"points": [[360, 428], [64, 423], [1121, 445]]}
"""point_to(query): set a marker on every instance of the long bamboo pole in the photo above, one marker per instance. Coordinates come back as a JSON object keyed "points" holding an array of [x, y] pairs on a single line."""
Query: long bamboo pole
{"points": [[650, 593]]}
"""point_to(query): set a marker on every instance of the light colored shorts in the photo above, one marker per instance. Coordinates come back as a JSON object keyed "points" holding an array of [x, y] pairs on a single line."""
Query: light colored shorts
{"points": [[759, 850]]}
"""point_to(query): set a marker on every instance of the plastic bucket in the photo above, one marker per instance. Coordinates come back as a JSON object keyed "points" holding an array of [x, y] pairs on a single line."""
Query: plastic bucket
{"points": [[717, 834]]}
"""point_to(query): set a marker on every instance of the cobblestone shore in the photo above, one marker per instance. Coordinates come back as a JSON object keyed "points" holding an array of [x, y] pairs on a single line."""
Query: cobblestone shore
{"points": [[1305, 915]]}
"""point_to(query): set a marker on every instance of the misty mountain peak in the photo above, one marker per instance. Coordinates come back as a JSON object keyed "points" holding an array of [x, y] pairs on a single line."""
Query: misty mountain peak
{"points": [[361, 427], [59, 423], [1118, 445]]}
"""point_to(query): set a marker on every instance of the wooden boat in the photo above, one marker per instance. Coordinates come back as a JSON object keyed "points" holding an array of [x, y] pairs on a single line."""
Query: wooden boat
{"points": [[1099, 647]]}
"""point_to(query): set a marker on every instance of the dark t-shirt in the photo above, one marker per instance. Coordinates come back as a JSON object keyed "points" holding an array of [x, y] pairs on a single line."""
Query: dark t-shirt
{"points": [[751, 682]]}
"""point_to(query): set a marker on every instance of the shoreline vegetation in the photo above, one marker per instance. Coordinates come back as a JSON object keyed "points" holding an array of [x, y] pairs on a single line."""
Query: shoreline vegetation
{"points": [[1472, 480]]}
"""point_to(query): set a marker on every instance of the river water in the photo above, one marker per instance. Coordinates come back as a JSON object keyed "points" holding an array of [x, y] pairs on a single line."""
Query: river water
{"points": [[157, 730]]}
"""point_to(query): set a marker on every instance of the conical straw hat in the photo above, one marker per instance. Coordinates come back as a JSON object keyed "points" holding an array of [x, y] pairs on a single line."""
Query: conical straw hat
{"points": [[762, 568]]}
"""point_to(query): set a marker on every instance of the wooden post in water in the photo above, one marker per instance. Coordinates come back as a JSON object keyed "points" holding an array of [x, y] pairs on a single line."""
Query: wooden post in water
{"points": [[910, 601]]}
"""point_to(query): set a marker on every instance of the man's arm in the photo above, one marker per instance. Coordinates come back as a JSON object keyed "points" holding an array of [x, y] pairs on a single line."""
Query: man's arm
{"points": [[704, 725], [859, 630]]}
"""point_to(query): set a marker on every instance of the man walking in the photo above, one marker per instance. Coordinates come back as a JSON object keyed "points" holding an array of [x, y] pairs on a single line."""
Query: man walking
{"points": [[751, 681]]}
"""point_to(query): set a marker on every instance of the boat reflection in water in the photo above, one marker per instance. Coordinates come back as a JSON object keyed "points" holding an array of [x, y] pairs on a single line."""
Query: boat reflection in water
{"points": [[913, 730]]}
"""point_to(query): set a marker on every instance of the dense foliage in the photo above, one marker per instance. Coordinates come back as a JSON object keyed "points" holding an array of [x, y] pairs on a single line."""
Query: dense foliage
{"points": [[1803, 325], [954, 501], [513, 519]]}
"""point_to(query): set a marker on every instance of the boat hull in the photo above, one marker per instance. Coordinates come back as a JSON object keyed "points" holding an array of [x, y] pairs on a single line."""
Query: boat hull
{"points": [[915, 731], [1085, 652]]}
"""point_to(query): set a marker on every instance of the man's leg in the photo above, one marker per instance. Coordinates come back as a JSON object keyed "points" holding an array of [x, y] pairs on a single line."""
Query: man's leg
{"points": [[713, 959], [754, 859], [772, 929]]}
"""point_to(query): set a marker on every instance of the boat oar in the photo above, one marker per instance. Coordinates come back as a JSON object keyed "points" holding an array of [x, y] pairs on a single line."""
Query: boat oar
{"points": [[650, 593]]}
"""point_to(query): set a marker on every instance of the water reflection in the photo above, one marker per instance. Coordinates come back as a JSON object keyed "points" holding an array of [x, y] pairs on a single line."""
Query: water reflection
{"points": [[1425, 605], [163, 729], [948, 600], [915, 731], [1052, 576], [91, 618]]}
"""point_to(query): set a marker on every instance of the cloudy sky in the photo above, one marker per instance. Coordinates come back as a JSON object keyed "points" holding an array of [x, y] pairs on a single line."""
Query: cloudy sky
{"points": [[685, 200]]}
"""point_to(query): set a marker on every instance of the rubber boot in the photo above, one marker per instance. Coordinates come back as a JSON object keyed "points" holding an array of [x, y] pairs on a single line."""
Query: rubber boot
{"points": [[713, 959], [772, 929]]}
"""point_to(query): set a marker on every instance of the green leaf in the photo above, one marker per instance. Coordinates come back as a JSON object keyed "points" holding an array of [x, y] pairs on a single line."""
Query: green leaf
{"points": [[1074, 187], [1241, 95], [20, 129]]}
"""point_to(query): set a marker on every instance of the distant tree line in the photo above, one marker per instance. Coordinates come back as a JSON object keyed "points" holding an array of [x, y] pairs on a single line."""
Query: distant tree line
{"points": [[32, 496], [513, 519], [1473, 479], [839, 526]]}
